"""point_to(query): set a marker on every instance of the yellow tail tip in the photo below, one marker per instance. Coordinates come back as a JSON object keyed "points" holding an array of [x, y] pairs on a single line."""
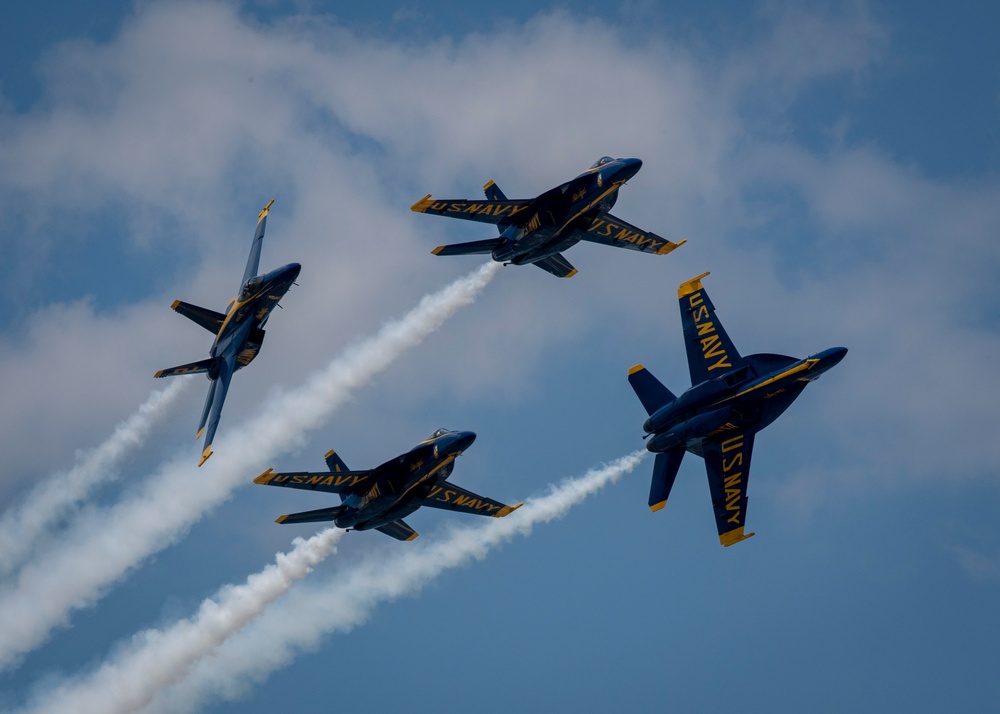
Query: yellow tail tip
{"points": [[263, 212], [280, 519], [691, 286], [265, 477], [571, 273], [421, 205], [658, 506], [507, 510], [412, 536], [636, 368], [437, 250]]}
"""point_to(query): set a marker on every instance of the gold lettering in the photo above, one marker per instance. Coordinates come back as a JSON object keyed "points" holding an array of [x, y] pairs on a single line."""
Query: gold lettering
{"points": [[735, 461], [732, 499], [700, 314], [456, 207], [732, 481], [735, 442], [705, 327], [720, 364], [735, 518], [472, 208], [695, 300], [298, 479], [517, 209], [462, 500], [439, 205], [597, 223], [315, 480], [328, 481]]}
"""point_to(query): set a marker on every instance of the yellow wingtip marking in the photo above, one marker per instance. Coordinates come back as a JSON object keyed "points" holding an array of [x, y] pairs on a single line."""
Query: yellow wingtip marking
{"points": [[507, 510], [174, 304], [421, 205], [636, 368], [329, 453], [200, 432], [205, 454], [438, 250], [670, 247], [658, 506], [734, 536], [571, 273], [280, 519], [489, 183], [159, 374], [691, 286], [265, 477], [263, 213], [412, 536]]}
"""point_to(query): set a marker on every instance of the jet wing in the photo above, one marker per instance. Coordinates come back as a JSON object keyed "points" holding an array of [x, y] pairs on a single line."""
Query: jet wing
{"points": [[495, 212], [217, 397], [728, 464], [450, 497], [335, 482], [609, 230], [398, 530], [253, 260]]}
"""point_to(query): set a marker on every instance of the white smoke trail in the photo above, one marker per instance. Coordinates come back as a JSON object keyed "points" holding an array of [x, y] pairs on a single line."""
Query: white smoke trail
{"points": [[100, 549], [156, 659], [21, 527], [299, 620]]}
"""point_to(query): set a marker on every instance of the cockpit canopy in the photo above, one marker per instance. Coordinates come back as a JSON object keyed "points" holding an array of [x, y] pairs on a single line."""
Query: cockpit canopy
{"points": [[601, 161], [250, 287], [440, 432]]}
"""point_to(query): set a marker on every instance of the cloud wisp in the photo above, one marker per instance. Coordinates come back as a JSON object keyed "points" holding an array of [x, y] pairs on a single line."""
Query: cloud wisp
{"points": [[22, 526], [155, 659], [347, 601], [106, 544]]}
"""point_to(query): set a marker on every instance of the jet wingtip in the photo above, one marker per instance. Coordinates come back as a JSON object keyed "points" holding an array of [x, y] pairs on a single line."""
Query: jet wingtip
{"points": [[421, 205], [507, 510], [635, 368], [281, 519], [415, 534], [265, 478], [263, 213], [734, 536], [669, 247], [159, 374], [691, 286], [654, 507], [571, 273], [437, 251], [174, 304]]}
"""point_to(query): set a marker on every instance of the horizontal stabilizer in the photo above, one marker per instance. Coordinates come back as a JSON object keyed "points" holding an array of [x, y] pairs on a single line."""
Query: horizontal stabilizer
{"points": [[664, 472], [191, 368], [475, 247], [340, 482], [398, 530], [318, 516], [493, 192], [556, 265], [209, 319], [651, 391]]}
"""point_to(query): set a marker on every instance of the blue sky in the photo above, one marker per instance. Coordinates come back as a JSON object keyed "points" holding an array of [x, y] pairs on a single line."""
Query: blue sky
{"points": [[834, 167]]}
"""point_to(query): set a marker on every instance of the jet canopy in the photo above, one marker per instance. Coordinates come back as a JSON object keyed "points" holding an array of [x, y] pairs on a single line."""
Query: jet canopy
{"points": [[440, 432], [250, 287], [601, 161]]}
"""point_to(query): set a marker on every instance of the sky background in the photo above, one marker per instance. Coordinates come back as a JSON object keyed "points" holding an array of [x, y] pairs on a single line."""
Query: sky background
{"points": [[835, 167]]}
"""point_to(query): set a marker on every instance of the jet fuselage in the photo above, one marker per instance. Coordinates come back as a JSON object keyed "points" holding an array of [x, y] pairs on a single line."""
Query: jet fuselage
{"points": [[550, 219], [746, 399]]}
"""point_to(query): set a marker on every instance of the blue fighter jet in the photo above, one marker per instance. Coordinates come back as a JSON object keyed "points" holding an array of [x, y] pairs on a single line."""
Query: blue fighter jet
{"points": [[382, 497], [537, 230], [238, 333], [731, 399]]}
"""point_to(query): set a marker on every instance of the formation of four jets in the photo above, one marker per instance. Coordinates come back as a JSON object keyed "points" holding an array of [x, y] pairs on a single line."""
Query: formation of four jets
{"points": [[730, 400]]}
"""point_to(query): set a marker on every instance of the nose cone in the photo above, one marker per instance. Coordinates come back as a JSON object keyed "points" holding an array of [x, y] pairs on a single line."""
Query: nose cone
{"points": [[289, 272], [830, 358], [629, 168], [463, 440]]}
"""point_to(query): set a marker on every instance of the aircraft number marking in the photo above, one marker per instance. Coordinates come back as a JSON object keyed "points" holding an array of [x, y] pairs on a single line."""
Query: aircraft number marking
{"points": [[440, 493], [711, 344], [606, 229], [733, 482]]}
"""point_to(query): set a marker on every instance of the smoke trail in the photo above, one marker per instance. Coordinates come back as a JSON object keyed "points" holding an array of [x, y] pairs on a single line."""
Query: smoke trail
{"points": [[22, 526], [301, 619], [100, 549], [155, 659]]}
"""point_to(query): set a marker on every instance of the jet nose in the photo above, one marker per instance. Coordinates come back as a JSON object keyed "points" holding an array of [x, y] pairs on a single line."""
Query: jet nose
{"points": [[831, 357], [463, 440], [630, 167], [290, 272]]}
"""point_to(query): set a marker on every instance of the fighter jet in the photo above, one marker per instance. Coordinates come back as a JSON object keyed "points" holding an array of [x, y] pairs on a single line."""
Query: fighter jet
{"points": [[536, 230], [238, 333], [382, 497], [732, 398]]}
